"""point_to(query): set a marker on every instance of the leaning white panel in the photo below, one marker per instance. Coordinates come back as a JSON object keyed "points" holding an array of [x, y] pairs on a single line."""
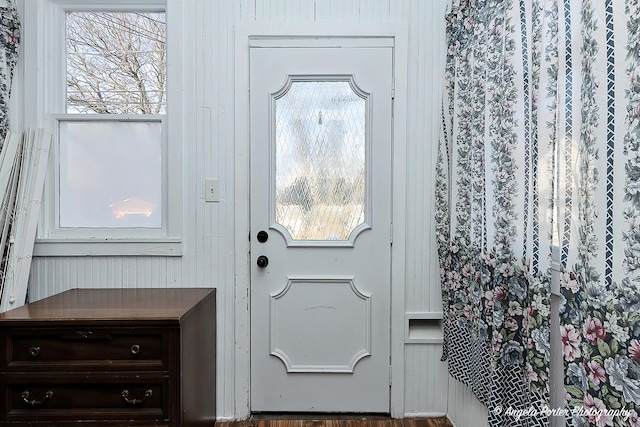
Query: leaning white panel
{"points": [[28, 201], [320, 324]]}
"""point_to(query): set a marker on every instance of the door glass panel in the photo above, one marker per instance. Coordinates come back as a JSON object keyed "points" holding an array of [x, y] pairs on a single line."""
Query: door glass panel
{"points": [[320, 160]]}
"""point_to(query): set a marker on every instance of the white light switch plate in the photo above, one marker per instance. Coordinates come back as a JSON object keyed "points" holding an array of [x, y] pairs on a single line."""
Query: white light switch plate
{"points": [[211, 190]]}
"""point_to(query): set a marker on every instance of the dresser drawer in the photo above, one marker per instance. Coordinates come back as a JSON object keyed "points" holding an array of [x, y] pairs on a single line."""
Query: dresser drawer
{"points": [[86, 348], [85, 401], [110, 358]]}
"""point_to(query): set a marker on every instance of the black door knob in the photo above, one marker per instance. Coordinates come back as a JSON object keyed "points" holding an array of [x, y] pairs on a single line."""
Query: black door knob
{"points": [[263, 236], [262, 261]]}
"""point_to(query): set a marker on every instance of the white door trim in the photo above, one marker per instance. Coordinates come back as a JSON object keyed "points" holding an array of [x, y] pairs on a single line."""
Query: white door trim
{"points": [[244, 35]]}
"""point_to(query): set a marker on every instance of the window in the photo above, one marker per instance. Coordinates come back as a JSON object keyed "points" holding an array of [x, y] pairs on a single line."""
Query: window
{"points": [[104, 97], [110, 168]]}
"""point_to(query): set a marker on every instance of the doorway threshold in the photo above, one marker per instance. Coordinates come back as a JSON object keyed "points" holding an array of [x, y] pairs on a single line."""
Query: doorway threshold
{"points": [[318, 415]]}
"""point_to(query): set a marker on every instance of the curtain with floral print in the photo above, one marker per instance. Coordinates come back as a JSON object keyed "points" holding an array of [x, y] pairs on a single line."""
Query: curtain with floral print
{"points": [[9, 48], [599, 213], [540, 148], [494, 243]]}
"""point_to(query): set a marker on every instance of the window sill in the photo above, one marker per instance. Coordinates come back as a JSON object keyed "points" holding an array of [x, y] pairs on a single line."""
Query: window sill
{"points": [[107, 247]]}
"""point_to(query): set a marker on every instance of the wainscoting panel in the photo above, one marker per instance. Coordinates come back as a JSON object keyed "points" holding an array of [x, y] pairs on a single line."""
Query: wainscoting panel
{"points": [[465, 410], [63, 273], [426, 381]]}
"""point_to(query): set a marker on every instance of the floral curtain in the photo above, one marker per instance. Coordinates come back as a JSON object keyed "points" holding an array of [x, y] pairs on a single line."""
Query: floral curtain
{"points": [[9, 48], [600, 219], [494, 246], [540, 148]]}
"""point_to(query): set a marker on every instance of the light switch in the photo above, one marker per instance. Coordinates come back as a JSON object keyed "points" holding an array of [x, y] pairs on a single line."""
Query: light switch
{"points": [[211, 190]]}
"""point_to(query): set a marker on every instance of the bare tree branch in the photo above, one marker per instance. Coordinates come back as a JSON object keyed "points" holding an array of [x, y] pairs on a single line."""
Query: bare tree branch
{"points": [[116, 62]]}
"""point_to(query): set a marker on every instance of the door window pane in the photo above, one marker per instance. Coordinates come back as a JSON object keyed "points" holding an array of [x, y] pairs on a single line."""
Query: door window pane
{"points": [[320, 160], [110, 174]]}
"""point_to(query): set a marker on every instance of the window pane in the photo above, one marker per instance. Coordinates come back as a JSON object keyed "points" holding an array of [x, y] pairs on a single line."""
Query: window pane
{"points": [[116, 62], [110, 174], [320, 160]]}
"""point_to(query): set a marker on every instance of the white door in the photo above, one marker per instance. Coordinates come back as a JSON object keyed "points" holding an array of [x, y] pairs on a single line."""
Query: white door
{"points": [[321, 120]]}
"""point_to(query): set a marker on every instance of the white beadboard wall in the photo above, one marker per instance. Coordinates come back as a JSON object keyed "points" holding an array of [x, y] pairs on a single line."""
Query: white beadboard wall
{"points": [[465, 410], [208, 133]]}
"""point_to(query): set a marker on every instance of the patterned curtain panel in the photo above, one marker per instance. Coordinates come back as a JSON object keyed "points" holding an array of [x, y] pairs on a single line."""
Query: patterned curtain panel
{"points": [[540, 148], [494, 245], [9, 48], [599, 209]]}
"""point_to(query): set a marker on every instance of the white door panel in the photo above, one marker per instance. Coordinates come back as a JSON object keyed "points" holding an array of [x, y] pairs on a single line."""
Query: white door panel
{"points": [[321, 195]]}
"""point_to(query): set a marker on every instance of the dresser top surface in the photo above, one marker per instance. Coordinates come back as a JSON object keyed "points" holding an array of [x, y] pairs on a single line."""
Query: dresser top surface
{"points": [[111, 304]]}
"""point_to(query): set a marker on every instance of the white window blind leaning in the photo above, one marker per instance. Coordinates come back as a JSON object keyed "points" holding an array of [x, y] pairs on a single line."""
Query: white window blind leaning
{"points": [[23, 163]]}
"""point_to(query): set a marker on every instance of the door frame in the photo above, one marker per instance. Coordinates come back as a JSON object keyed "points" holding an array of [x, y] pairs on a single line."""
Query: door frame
{"points": [[305, 34]]}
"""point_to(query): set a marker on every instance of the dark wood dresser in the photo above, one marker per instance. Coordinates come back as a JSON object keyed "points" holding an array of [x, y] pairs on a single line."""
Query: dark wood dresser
{"points": [[110, 357]]}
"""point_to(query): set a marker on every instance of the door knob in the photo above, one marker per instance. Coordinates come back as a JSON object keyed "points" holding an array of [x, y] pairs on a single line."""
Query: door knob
{"points": [[262, 261], [263, 236]]}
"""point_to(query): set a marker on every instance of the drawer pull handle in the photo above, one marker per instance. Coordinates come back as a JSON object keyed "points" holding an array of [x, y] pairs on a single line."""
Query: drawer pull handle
{"points": [[135, 349], [25, 398], [134, 401], [34, 351], [86, 335]]}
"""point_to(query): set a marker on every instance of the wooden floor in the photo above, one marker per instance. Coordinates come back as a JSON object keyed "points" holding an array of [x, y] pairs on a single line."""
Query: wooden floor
{"points": [[341, 421]]}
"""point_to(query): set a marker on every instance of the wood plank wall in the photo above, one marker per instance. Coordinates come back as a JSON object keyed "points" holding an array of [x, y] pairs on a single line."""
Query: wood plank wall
{"points": [[208, 258]]}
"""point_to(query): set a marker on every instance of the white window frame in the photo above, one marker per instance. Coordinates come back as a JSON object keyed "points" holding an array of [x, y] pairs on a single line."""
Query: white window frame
{"points": [[44, 50]]}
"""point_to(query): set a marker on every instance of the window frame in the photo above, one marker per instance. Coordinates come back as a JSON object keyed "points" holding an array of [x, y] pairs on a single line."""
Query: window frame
{"points": [[45, 89]]}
